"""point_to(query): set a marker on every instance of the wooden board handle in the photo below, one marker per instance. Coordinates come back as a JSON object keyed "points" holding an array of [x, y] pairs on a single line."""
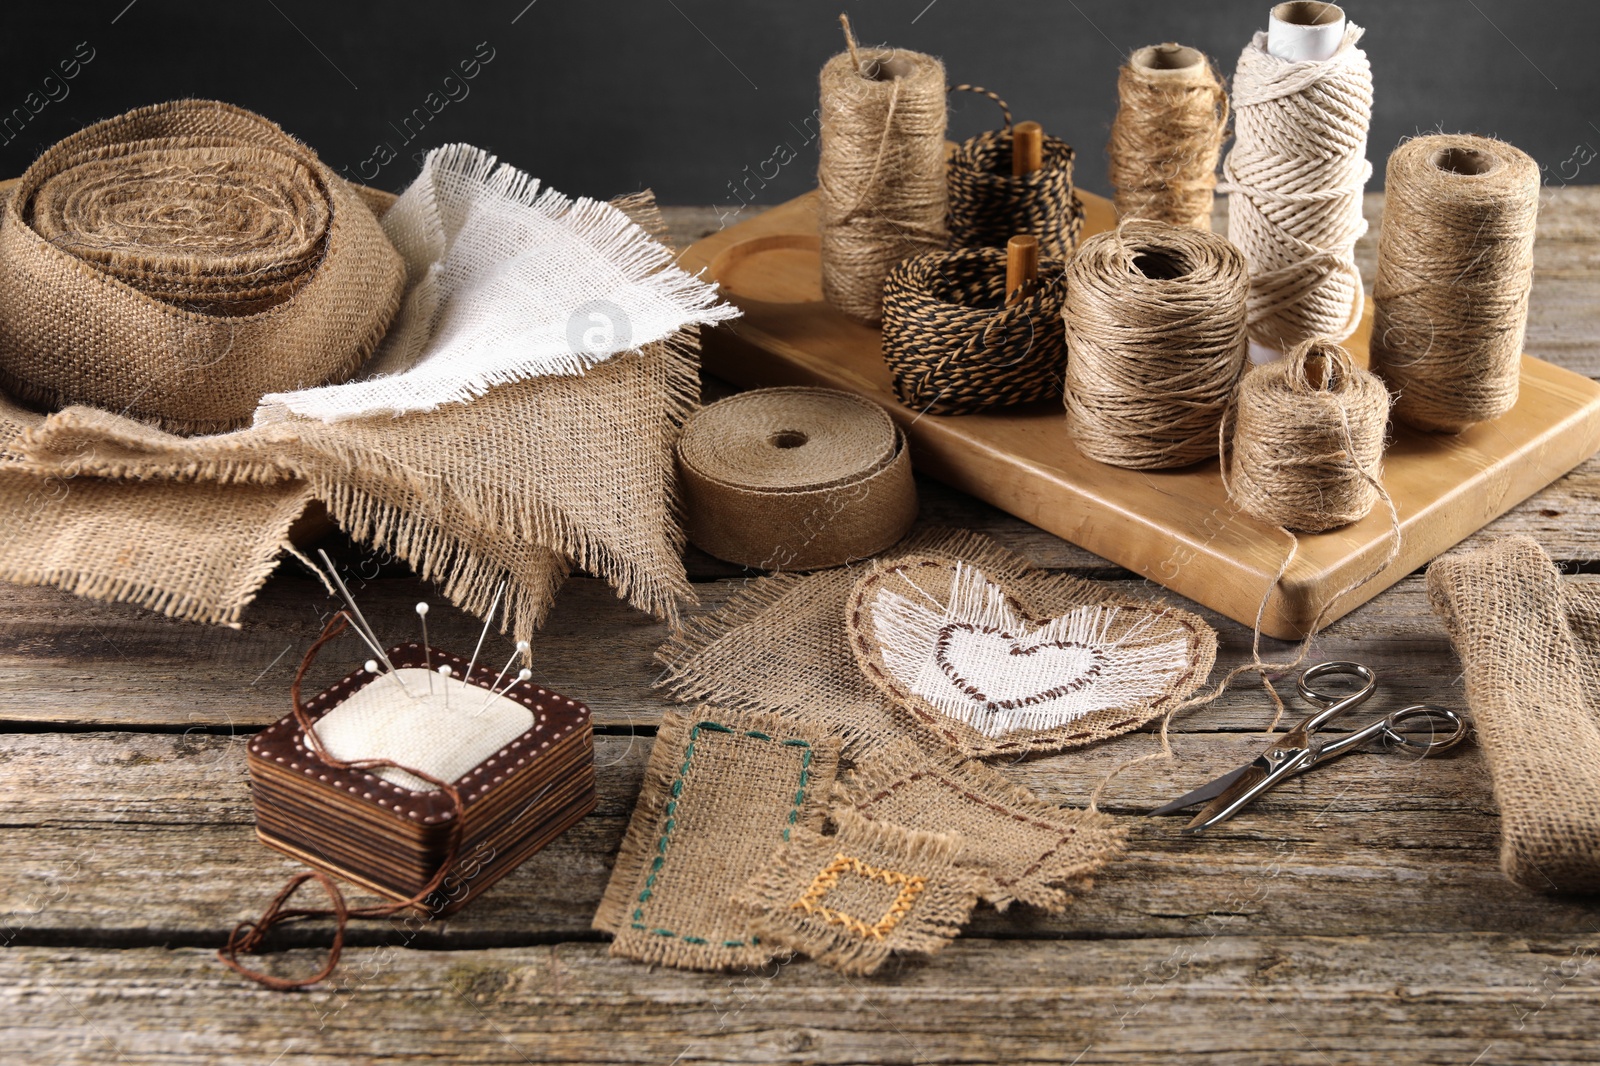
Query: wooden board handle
{"points": [[1027, 148], [1022, 267]]}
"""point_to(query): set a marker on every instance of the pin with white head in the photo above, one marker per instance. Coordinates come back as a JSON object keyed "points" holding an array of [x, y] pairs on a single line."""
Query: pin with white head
{"points": [[427, 656], [353, 614], [445, 672], [522, 649]]}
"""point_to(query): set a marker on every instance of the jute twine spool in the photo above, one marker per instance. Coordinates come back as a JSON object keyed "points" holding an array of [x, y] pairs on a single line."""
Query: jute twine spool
{"points": [[1167, 137], [954, 344], [1455, 266], [989, 204], [1155, 322], [881, 173], [795, 479], [177, 262], [1295, 177], [1308, 439]]}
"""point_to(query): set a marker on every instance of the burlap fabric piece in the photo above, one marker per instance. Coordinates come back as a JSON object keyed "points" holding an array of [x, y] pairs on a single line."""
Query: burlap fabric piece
{"points": [[468, 494], [1024, 850], [781, 646], [1530, 642], [873, 889], [721, 791], [179, 261], [994, 671]]}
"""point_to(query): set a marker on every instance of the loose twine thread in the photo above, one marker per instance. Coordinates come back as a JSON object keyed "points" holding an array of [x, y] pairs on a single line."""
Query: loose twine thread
{"points": [[989, 204], [1155, 322], [1319, 388], [1455, 267], [881, 171], [1295, 177], [1167, 136]]}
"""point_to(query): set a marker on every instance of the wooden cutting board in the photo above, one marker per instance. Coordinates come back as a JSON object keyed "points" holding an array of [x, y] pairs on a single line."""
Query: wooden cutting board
{"points": [[1176, 528]]}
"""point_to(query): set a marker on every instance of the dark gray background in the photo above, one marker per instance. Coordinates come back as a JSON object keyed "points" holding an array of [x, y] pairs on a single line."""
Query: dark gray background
{"points": [[602, 96]]}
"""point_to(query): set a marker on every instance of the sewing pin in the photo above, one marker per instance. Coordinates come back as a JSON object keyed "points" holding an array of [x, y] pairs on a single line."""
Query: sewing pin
{"points": [[522, 649], [444, 672], [487, 619], [427, 655], [363, 630]]}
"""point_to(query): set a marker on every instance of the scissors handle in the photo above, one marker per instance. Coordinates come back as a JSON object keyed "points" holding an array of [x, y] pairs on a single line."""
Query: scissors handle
{"points": [[1388, 728], [1335, 704]]}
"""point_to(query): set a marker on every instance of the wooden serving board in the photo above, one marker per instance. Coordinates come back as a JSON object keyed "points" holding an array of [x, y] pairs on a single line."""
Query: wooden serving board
{"points": [[1176, 528]]}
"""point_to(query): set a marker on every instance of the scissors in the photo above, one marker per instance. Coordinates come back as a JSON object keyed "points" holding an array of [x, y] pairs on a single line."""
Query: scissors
{"points": [[1304, 746]]}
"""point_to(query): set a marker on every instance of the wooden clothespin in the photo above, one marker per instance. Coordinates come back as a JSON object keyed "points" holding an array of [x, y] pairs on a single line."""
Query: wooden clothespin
{"points": [[1022, 268], [1027, 148]]}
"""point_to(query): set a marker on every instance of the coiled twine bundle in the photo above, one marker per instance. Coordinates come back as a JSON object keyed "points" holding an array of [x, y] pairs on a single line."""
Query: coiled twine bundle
{"points": [[881, 174], [1455, 267], [1167, 137], [1308, 439], [1295, 177], [795, 479], [179, 261], [1155, 322], [989, 205], [953, 344]]}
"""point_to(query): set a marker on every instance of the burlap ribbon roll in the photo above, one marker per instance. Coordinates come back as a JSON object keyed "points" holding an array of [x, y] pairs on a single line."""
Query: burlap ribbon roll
{"points": [[795, 479], [177, 262]]}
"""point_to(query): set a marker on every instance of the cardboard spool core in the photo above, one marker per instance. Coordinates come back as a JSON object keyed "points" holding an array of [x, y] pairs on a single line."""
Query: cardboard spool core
{"points": [[1467, 162], [1167, 57], [1308, 13]]}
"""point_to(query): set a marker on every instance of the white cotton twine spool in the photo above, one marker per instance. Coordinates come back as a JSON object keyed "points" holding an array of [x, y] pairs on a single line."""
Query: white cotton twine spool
{"points": [[1296, 174]]}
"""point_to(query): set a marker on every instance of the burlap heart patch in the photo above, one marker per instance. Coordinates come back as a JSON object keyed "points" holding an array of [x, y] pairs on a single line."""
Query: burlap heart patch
{"points": [[995, 670]]}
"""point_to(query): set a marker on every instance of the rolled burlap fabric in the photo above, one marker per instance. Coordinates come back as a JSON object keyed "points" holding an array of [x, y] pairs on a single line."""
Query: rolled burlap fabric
{"points": [[795, 479], [1530, 642], [178, 262]]}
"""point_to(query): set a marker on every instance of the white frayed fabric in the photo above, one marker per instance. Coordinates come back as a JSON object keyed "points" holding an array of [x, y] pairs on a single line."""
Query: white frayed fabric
{"points": [[972, 655], [506, 281], [444, 731]]}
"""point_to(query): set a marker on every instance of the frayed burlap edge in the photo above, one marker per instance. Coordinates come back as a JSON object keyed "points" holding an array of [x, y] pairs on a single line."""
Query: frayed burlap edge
{"points": [[787, 898], [696, 634], [643, 844], [1085, 840]]}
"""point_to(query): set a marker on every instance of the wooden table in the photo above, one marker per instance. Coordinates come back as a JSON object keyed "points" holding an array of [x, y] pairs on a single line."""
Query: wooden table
{"points": [[1357, 911]]}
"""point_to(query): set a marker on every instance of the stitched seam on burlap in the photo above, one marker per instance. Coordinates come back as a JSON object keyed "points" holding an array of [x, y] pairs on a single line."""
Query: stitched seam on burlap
{"points": [[660, 859], [910, 887]]}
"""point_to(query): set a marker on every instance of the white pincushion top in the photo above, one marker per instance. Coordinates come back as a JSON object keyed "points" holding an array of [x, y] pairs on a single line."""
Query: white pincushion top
{"points": [[381, 721]]}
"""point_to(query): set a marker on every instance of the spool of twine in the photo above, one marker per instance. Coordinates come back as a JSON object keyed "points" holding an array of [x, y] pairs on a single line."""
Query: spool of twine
{"points": [[1167, 137], [1308, 440], [990, 204], [1155, 323], [1455, 267], [1294, 179], [954, 343], [881, 173], [795, 479]]}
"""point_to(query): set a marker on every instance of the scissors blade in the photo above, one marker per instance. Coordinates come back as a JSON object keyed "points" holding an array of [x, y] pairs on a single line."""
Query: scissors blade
{"points": [[1263, 774], [1209, 790]]}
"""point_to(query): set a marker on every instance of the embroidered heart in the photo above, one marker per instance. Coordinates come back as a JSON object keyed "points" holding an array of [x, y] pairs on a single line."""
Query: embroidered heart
{"points": [[992, 674], [963, 650]]}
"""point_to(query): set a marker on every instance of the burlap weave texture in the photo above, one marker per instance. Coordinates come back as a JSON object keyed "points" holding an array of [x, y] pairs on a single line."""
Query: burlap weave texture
{"points": [[1530, 643]]}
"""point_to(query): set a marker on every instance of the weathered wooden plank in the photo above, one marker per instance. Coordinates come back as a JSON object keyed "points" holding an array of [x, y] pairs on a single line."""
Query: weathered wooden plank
{"points": [[1430, 999], [139, 838], [91, 664]]}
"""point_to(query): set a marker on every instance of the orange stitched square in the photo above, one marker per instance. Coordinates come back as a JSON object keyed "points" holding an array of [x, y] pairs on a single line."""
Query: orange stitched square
{"points": [[910, 885]]}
